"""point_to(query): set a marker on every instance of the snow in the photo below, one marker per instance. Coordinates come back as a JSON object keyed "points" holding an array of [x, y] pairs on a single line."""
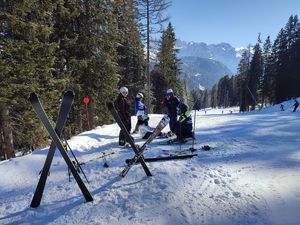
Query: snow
{"points": [[201, 88], [250, 176]]}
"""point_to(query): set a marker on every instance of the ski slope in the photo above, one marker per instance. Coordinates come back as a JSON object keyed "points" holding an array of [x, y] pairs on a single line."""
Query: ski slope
{"points": [[250, 176]]}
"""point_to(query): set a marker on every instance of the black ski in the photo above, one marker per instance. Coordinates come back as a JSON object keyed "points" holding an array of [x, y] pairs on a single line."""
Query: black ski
{"points": [[57, 142], [167, 157], [174, 141], [129, 139], [65, 107], [182, 151]]}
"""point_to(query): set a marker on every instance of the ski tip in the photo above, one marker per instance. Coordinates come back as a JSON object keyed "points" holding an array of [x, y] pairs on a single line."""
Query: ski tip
{"points": [[69, 93], [34, 204], [33, 96]]}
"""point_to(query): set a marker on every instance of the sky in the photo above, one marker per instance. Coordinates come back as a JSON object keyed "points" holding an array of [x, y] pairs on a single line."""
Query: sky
{"points": [[237, 22]]}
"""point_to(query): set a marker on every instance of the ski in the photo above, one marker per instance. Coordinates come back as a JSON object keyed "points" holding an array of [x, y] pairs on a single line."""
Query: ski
{"points": [[176, 142], [162, 158], [65, 107], [190, 150], [104, 155], [35, 102], [136, 150], [161, 125]]}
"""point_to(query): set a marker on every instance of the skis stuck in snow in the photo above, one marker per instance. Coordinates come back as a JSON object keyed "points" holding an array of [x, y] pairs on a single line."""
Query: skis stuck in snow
{"points": [[55, 135], [139, 157]]}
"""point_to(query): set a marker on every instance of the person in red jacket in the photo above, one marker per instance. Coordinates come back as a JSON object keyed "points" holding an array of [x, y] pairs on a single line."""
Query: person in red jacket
{"points": [[123, 107]]}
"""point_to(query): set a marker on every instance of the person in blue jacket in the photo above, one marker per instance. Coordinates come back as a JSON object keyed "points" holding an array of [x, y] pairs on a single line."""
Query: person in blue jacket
{"points": [[139, 110]]}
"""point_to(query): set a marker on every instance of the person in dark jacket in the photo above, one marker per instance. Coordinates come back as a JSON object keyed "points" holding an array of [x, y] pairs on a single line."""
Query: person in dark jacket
{"points": [[171, 102], [123, 107], [296, 105], [184, 125]]}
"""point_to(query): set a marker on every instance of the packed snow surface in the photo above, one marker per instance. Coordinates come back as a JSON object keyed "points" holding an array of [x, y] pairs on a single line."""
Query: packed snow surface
{"points": [[251, 176]]}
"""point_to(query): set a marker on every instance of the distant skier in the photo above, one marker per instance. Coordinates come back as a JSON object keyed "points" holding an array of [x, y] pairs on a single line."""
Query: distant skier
{"points": [[139, 109], [171, 102], [123, 107], [296, 105], [281, 107], [184, 125]]}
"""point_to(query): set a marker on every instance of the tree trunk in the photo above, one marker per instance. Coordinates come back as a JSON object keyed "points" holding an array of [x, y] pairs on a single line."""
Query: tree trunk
{"points": [[6, 131], [148, 61], [2, 155]]}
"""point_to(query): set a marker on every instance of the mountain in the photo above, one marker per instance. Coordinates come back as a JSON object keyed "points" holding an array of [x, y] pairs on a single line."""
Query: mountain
{"points": [[222, 52], [207, 63], [202, 72]]}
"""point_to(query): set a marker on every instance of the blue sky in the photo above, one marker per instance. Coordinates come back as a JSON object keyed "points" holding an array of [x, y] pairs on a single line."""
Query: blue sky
{"points": [[236, 22]]}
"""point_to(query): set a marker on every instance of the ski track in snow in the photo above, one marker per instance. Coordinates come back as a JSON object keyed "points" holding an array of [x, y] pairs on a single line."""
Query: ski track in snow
{"points": [[250, 176]]}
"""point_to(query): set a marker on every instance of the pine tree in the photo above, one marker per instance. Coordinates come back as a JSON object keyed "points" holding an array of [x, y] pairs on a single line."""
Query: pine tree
{"points": [[151, 16], [27, 58], [186, 93], [65, 33], [255, 75], [214, 96], [280, 53], [93, 61], [292, 30], [167, 71], [267, 95], [295, 66], [159, 88], [242, 80], [130, 50]]}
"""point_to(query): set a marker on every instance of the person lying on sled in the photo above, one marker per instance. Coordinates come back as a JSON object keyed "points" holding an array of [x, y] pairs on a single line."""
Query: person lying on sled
{"points": [[184, 125], [144, 129]]}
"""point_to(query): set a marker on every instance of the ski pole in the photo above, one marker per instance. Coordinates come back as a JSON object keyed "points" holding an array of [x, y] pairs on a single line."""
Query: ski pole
{"points": [[195, 112], [193, 142], [67, 144]]}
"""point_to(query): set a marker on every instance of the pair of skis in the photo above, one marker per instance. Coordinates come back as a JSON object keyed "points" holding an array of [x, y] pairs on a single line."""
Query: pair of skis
{"points": [[138, 153], [55, 135]]}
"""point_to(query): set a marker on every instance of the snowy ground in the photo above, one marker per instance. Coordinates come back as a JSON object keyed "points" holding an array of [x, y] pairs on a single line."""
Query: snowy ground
{"points": [[250, 176]]}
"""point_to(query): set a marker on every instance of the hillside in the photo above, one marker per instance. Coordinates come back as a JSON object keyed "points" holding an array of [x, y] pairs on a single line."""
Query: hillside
{"points": [[222, 52], [206, 64], [203, 72], [250, 176]]}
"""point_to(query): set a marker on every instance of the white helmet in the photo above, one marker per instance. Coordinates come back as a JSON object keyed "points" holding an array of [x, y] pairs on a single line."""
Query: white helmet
{"points": [[169, 91], [123, 89], [139, 95]]}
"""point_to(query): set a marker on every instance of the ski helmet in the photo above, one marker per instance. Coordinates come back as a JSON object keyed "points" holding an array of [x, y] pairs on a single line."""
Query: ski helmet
{"points": [[170, 92], [139, 95], [123, 89], [183, 107]]}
